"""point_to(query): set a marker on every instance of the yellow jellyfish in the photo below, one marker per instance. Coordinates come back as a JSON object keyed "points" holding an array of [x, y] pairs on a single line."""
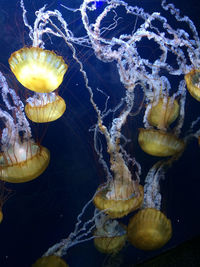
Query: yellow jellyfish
{"points": [[21, 158], [37, 69], [149, 229], [45, 107], [193, 83], [50, 261], [110, 235], [160, 113], [23, 162], [160, 143], [115, 198], [163, 113], [121, 194]]}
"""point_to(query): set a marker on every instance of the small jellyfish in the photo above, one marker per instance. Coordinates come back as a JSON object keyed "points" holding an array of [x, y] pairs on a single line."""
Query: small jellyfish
{"points": [[193, 83], [45, 107], [110, 235], [50, 261]]}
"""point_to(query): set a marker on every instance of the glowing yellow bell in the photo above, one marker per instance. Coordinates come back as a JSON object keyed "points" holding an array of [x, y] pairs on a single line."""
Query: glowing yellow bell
{"points": [[108, 244], [46, 112], [23, 163], [37, 69], [193, 83], [163, 114], [50, 261], [118, 208], [159, 143], [149, 229]]}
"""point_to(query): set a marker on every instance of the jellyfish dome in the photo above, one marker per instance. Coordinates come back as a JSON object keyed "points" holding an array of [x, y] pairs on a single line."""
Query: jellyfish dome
{"points": [[160, 143], [149, 229], [23, 162], [21, 158], [50, 261], [45, 107], [193, 83], [116, 199], [163, 114], [110, 235], [37, 69]]}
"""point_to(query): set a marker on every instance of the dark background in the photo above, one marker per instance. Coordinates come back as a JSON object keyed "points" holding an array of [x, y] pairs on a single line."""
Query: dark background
{"points": [[42, 212]]}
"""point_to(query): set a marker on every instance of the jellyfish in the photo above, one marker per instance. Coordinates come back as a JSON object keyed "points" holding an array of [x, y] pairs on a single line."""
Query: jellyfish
{"points": [[41, 71], [37, 69], [190, 70], [50, 261], [161, 111], [193, 83], [150, 229], [122, 193], [45, 107], [21, 158], [110, 235]]}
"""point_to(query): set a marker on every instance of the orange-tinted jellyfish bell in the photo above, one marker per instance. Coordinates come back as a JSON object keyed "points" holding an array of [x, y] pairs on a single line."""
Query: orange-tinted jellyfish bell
{"points": [[23, 162], [111, 237], [163, 113], [115, 206], [159, 143], [149, 229], [37, 69], [193, 83], [45, 108], [50, 261]]}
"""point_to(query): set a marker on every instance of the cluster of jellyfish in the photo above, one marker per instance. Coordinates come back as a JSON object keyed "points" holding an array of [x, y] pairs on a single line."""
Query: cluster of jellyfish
{"points": [[42, 72]]}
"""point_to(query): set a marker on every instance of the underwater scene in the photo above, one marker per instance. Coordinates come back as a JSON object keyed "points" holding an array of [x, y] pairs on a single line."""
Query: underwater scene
{"points": [[100, 131]]}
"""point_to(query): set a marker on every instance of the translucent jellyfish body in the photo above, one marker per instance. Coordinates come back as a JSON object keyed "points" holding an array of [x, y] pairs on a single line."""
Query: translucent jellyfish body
{"points": [[111, 237], [115, 199], [159, 143], [193, 83], [149, 229], [50, 261], [23, 162], [46, 108], [37, 69], [163, 113]]}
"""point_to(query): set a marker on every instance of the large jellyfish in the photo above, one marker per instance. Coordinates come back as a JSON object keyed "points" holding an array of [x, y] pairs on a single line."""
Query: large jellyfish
{"points": [[150, 229], [21, 158]]}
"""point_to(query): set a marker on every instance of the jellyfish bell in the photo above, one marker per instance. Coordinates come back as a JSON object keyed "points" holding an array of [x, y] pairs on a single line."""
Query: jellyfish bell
{"points": [[149, 229], [23, 162], [193, 83], [21, 158], [50, 261], [117, 198], [160, 143], [37, 69], [163, 113], [110, 236], [45, 107]]}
